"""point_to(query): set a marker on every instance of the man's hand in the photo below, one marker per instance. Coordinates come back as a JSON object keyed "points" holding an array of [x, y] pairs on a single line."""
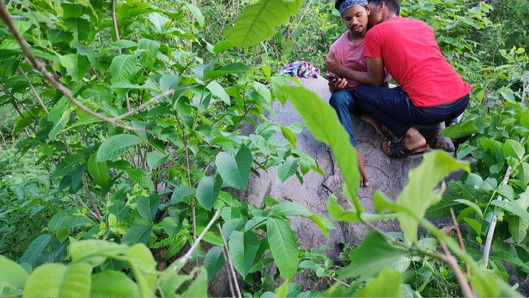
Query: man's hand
{"points": [[333, 63], [337, 84]]}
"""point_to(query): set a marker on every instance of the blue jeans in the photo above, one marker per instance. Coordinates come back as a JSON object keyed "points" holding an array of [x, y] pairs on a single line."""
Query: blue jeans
{"points": [[344, 104], [393, 108]]}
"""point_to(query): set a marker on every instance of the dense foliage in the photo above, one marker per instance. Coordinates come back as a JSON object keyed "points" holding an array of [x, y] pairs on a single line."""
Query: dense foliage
{"points": [[121, 150]]}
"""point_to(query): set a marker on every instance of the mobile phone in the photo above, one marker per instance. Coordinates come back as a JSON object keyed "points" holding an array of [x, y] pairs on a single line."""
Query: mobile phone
{"points": [[329, 76]]}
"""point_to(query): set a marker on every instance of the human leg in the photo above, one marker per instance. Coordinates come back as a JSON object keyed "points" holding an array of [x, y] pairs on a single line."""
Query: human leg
{"points": [[344, 104]]}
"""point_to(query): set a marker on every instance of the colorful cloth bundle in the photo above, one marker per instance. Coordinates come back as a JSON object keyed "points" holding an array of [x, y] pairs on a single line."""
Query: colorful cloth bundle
{"points": [[301, 69]]}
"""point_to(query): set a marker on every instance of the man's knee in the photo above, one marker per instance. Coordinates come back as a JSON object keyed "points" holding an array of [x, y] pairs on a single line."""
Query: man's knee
{"points": [[340, 98]]}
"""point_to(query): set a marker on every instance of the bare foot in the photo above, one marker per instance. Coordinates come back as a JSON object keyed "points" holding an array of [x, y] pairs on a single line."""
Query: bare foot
{"points": [[364, 180], [380, 129], [413, 139]]}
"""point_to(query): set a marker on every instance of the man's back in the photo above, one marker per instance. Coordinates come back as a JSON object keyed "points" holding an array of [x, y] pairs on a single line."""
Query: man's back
{"points": [[411, 55]]}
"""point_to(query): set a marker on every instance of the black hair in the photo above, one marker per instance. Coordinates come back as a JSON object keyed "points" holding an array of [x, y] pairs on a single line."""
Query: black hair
{"points": [[337, 4], [394, 5]]}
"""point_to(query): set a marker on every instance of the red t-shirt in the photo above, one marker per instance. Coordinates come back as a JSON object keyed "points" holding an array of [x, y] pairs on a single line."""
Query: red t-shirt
{"points": [[413, 58]]}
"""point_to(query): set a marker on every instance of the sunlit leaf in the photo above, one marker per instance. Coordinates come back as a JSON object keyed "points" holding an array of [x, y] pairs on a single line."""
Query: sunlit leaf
{"points": [[115, 145]]}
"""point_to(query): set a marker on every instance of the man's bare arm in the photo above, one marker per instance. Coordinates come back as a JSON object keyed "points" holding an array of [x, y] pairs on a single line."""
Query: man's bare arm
{"points": [[373, 77]]}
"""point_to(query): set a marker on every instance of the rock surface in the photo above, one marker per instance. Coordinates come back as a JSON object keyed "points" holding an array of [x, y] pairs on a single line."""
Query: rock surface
{"points": [[386, 174]]}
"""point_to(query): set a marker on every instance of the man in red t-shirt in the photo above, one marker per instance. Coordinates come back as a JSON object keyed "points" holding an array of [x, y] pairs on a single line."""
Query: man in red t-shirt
{"points": [[430, 90]]}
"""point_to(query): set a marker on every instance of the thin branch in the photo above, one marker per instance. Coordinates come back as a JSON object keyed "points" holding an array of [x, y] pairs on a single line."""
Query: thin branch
{"points": [[451, 261], [230, 264], [41, 103], [178, 264], [91, 198], [459, 236], [226, 261]]}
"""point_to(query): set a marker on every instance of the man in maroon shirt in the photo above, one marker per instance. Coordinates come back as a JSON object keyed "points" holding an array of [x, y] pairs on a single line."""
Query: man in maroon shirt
{"points": [[430, 91]]}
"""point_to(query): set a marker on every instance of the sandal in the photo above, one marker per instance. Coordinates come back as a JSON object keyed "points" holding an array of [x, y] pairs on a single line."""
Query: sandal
{"points": [[397, 149]]}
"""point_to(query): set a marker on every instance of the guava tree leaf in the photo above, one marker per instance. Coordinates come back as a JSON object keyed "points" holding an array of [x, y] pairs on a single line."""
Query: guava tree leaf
{"points": [[242, 248], [57, 280], [98, 170], [257, 21], [235, 171], [115, 145], [12, 274], [284, 249], [121, 285]]}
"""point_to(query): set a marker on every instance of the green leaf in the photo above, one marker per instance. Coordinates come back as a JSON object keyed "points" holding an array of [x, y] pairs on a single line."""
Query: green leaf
{"points": [[374, 254], [214, 261], [386, 284], [518, 228], [320, 118], [155, 159], [57, 280], [144, 268], [242, 249], [476, 226], [459, 130], [257, 21], [287, 169], [141, 177], [506, 191], [116, 145], [338, 213], [208, 190], [182, 193], [218, 91], [472, 205], [222, 46], [514, 149], [12, 275], [98, 170], [137, 234], [235, 171], [323, 223], [148, 206], [290, 209], [79, 67], [284, 249], [34, 250], [122, 68], [95, 252], [418, 194], [113, 284], [197, 14], [199, 286], [291, 137]]}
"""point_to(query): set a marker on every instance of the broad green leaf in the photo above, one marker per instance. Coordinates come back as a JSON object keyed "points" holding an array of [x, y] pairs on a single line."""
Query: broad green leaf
{"points": [[218, 91], [419, 193], [508, 95], [284, 249], [459, 130], [512, 207], [12, 274], [320, 118], [281, 291], [79, 67], [98, 170], [137, 234], [263, 91], [474, 224], [170, 282], [181, 194], [149, 50], [116, 145], [81, 29], [148, 206], [523, 173], [144, 268], [506, 191], [290, 209], [34, 250], [472, 205], [222, 46], [338, 213], [235, 171], [199, 286], [524, 119], [386, 284], [214, 261], [374, 254], [95, 252], [208, 190], [242, 249], [257, 21], [323, 223], [113, 284], [56, 221], [159, 21], [234, 68], [197, 14], [57, 280], [287, 133], [287, 169], [123, 67], [141, 177], [518, 228], [514, 149], [155, 159]]}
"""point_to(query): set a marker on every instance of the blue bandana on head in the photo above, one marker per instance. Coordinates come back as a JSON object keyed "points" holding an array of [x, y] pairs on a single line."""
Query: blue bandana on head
{"points": [[350, 3]]}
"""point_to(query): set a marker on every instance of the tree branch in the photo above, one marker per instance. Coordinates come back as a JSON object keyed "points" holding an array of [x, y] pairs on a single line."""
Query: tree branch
{"points": [[230, 264]]}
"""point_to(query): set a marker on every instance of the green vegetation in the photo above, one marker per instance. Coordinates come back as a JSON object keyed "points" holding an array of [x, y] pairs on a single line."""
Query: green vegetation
{"points": [[121, 147]]}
